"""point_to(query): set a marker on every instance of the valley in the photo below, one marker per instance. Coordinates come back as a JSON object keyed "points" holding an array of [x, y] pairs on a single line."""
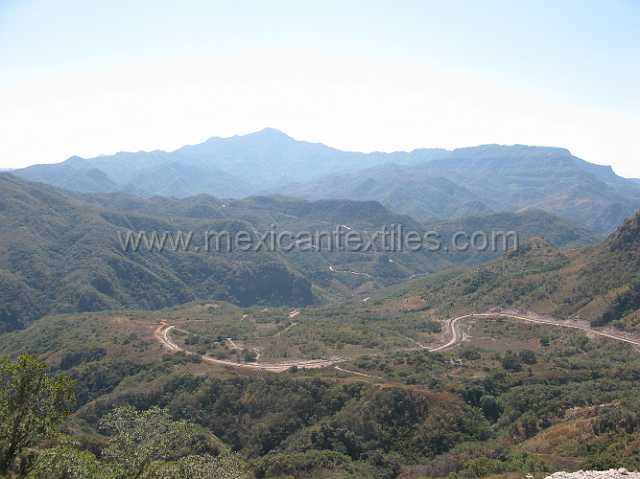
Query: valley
{"points": [[334, 363], [89, 270], [453, 330], [319, 240], [388, 351]]}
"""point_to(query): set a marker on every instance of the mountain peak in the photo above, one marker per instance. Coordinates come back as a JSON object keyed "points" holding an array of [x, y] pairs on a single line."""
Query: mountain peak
{"points": [[270, 133], [266, 134]]}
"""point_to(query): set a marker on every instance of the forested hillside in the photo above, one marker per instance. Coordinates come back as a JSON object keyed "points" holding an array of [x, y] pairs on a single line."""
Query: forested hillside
{"points": [[596, 283], [62, 251], [60, 254]]}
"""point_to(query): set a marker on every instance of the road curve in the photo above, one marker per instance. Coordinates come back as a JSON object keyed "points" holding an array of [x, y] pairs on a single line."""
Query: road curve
{"points": [[455, 336], [162, 334], [355, 273]]}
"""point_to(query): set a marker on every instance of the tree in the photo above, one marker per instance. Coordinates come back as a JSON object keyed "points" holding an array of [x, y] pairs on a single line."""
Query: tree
{"points": [[511, 362], [32, 405], [528, 357], [225, 466], [68, 462], [472, 394], [249, 356], [490, 407], [150, 444], [138, 438], [145, 445]]}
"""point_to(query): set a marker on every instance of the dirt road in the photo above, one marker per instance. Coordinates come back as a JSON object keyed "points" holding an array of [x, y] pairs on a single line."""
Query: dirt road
{"points": [[162, 334], [355, 273], [453, 331]]}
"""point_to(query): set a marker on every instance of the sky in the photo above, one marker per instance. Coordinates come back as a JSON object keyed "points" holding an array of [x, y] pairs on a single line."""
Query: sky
{"points": [[80, 77]]}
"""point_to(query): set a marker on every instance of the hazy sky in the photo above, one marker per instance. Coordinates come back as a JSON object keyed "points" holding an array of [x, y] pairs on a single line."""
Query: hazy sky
{"points": [[88, 77]]}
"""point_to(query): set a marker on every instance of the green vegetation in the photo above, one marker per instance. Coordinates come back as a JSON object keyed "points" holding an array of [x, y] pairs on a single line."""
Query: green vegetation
{"points": [[141, 444], [484, 408], [147, 444], [596, 284], [61, 253], [511, 397], [32, 405]]}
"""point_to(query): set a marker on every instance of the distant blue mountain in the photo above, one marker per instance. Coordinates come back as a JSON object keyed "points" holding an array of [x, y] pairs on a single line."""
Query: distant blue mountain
{"points": [[225, 167], [472, 181], [425, 183]]}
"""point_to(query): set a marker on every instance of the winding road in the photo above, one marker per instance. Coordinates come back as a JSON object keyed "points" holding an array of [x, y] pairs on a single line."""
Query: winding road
{"points": [[453, 332], [162, 334], [355, 273], [455, 337]]}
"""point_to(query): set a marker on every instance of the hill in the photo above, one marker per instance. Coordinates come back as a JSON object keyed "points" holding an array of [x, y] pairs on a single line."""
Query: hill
{"points": [[406, 189], [598, 284], [528, 224], [62, 252], [91, 180], [492, 178], [510, 399]]}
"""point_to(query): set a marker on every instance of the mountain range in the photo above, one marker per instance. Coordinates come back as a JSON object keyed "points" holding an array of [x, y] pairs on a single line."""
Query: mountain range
{"points": [[428, 184], [224, 167], [491, 178], [60, 251], [510, 398], [415, 385]]}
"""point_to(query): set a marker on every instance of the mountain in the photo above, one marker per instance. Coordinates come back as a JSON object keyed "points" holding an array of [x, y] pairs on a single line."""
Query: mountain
{"points": [[510, 398], [62, 252], [224, 167], [493, 178], [270, 158], [527, 224], [261, 211], [512, 178], [597, 283], [91, 180], [427, 184], [406, 189], [367, 269]]}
